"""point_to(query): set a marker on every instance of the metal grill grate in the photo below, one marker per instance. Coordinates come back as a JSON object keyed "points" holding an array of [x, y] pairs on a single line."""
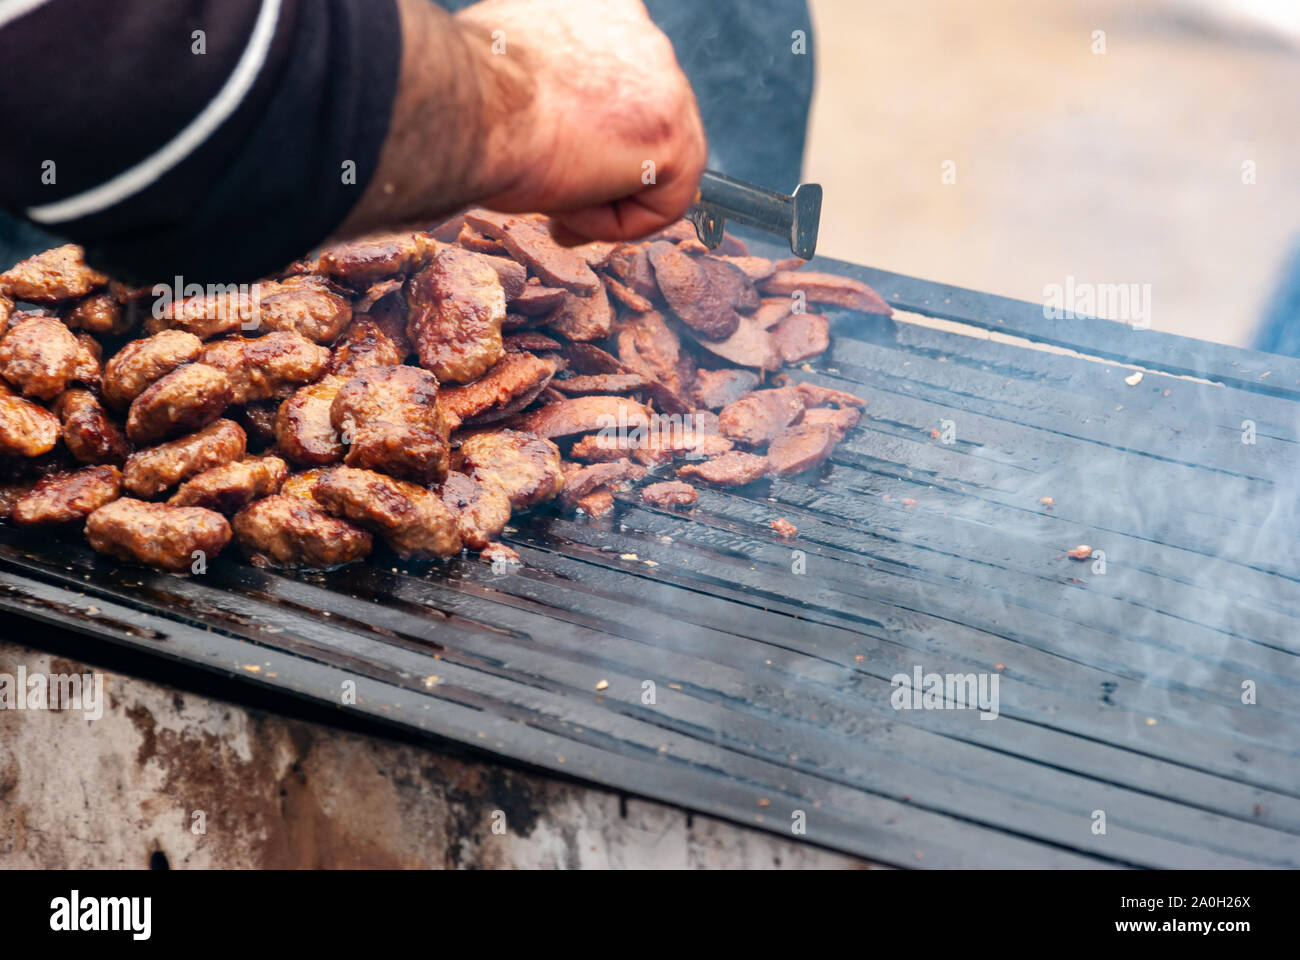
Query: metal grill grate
{"points": [[1119, 691]]}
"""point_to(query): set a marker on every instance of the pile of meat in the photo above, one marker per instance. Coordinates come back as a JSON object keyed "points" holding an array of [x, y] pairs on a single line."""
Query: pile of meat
{"points": [[417, 387]]}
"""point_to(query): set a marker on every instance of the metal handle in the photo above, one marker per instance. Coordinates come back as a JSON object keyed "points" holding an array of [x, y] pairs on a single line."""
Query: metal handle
{"points": [[723, 198]]}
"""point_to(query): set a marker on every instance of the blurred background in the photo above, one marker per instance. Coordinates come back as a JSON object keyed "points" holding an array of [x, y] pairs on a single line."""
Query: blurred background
{"points": [[1118, 167]]}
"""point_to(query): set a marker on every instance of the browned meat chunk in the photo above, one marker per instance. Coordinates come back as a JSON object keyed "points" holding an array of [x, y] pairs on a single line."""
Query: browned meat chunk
{"points": [[670, 493], [100, 313], [150, 472], [411, 519], [499, 551], [388, 418], [730, 284], [502, 392], [694, 294], [714, 389], [627, 296], [512, 275], [772, 310], [39, 357], [87, 370], [580, 480], [734, 468], [586, 415], [471, 239], [596, 253], [482, 510], [840, 421], [530, 340], [785, 528], [827, 288], [262, 368], [359, 263], [667, 439], [364, 345], [584, 319], [815, 396], [534, 247], [188, 398], [599, 503], [68, 497], [26, 429], [648, 346], [631, 264], [802, 335], [306, 306], [210, 314], [141, 362], [751, 345], [258, 421], [88, 433], [157, 534], [457, 306], [581, 386], [51, 277], [800, 448], [522, 465], [756, 268], [536, 300], [287, 532], [6, 311], [584, 358], [304, 431], [302, 486], [233, 485], [10, 494], [762, 415], [385, 304]]}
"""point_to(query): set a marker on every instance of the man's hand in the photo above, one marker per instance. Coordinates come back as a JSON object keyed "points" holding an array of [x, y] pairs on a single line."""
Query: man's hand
{"points": [[609, 140], [574, 108]]}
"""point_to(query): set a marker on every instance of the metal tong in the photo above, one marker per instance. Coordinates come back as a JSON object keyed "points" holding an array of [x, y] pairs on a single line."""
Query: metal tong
{"points": [[723, 198]]}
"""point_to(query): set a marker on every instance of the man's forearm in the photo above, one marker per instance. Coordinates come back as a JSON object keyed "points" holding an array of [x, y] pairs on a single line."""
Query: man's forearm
{"points": [[450, 137]]}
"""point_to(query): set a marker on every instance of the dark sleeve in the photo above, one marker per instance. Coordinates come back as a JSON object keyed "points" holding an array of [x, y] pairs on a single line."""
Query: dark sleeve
{"points": [[220, 166]]}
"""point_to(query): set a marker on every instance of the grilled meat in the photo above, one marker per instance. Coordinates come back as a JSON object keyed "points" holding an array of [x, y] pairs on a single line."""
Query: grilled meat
{"points": [[261, 368], [39, 357], [141, 362], [88, 432], [188, 398], [52, 277], [152, 471], [389, 420], [158, 534], [457, 306], [63, 498], [281, 531], [522, 465], [233, 485], [413, 521]]}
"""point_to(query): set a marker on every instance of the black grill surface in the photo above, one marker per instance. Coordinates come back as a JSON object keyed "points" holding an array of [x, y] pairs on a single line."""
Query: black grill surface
{"points": [[749, 676]]}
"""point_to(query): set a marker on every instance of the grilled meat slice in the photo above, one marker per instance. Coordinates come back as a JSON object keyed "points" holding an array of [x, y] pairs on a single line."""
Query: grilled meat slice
{"points": [[388, 418], [670, 493], [714, 389], [304, 431], [39, 356], [756, 268], [185, 400], [815, 396], [157, 534], [631, 264], [586, 385], [530, 341], [150, 472], [410, 518], [585, 415], [802, 335], [800, 448], [26, 429], [533, 246], [730, 284], [583, 319], [52, 277], [482, 510], [264, 367], [522, 465], [457, 306], [88, 432], [693, 292], [648, 346], [502, 392], [762, 415], [233, 485], [359, 263], [281, 531], [840, 421], [581, 480], [829, 288], [627, 296], [141, 362], [599, 503], [63, 498], [536, 300], [751, 345], [733, 469]]}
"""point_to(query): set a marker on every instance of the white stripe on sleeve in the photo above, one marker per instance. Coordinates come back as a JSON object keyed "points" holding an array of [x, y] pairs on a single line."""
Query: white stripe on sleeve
{"points": [[147, 171]]}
